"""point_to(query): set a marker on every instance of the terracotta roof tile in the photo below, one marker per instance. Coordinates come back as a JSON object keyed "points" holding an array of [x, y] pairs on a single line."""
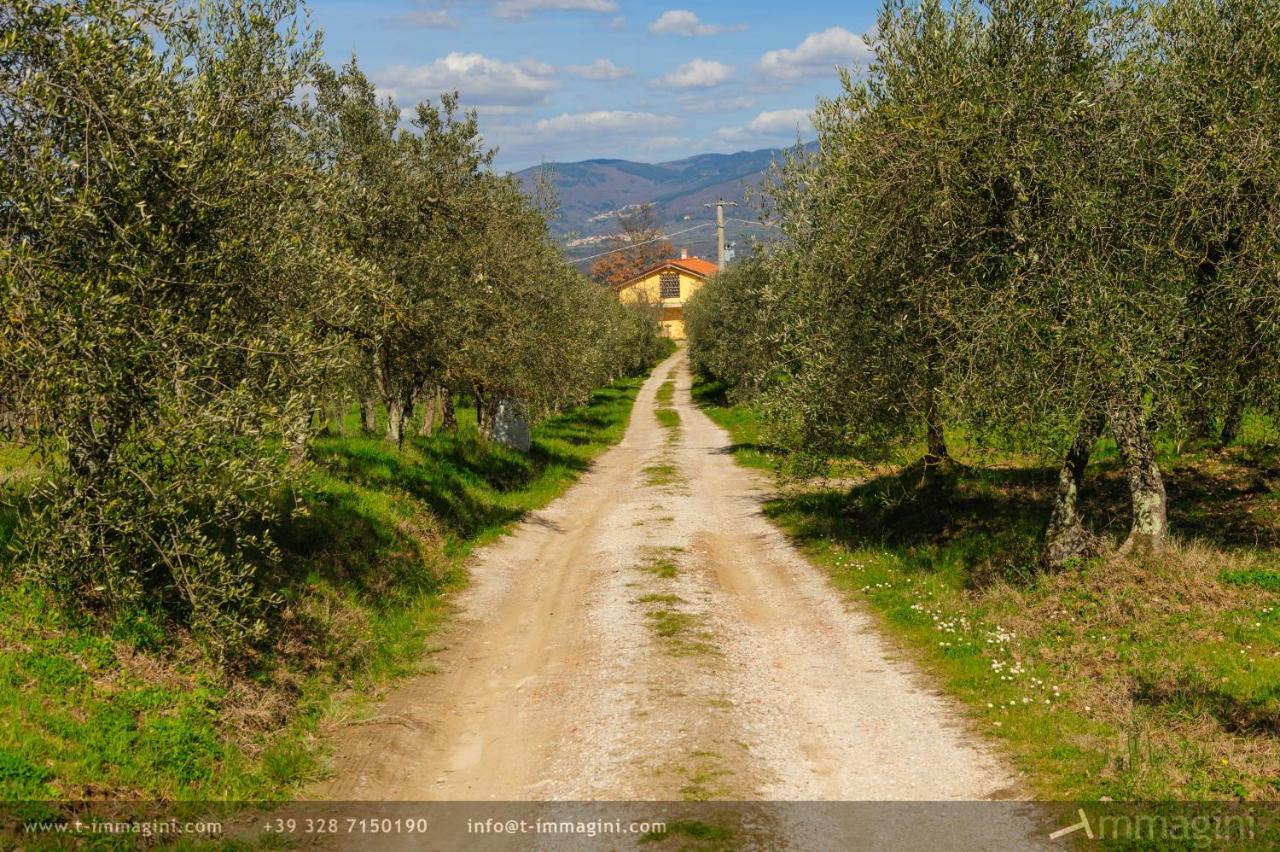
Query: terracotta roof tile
{"points": [[695, 264]]}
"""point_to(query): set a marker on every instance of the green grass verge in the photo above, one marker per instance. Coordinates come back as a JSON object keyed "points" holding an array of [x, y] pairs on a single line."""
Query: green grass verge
{"points": [[739, 421], [1269, 580], [137, 714], [1129, 679]]}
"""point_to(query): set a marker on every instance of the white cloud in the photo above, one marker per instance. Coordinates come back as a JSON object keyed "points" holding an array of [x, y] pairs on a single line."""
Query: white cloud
{"points": [[601, 69], [682, 22], [520, 9], [618, 24], [770, 125], [537, 66], [816, 56], [781, 121], [603, 123], [435, 19], [479, 79], [697, 74]]}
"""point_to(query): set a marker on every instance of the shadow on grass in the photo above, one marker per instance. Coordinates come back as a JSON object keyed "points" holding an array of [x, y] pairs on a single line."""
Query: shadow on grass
{"points": [[710, 392], [458, 477], [739, 421], [361, 543], [126, 707], [375, 507], [971, 521], [1190, 692], [990, 522]]}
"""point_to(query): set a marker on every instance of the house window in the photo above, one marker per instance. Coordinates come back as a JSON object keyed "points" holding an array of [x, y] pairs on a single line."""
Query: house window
{"points": [[670, 285]]}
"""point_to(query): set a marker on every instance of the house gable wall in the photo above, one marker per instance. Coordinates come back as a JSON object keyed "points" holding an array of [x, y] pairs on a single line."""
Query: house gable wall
{"points": [[648, 291]]}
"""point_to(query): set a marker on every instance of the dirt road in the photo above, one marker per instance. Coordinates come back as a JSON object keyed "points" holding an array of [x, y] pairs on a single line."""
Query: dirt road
{"points": [[650, 635]]}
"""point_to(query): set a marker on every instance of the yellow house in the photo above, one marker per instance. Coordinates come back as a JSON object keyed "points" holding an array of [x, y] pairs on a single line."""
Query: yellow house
{"points": [[669, 285]]}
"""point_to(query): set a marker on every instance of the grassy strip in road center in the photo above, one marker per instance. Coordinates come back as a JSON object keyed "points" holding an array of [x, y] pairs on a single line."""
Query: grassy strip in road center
{"points": [[667, 416]]}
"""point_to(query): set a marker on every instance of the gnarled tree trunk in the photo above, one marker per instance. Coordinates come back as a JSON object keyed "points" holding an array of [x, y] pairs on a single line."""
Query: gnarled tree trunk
{"points": [[936, 443], [1150, 525], [1066, 538], [482, 412], [296, 436], [398, 408], [489, 421]]}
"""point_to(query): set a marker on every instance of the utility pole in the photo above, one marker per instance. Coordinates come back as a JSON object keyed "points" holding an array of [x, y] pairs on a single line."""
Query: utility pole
{"points": [[720, 204]]}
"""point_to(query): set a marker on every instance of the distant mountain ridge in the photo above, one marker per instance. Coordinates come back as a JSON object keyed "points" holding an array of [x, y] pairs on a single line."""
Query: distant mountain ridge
{"points": [[592, 192]]}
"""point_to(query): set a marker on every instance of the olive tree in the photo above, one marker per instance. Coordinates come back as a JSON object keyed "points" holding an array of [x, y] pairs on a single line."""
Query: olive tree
{"points": [[408, 210], [997, 225], [727, 325], [1219, 168], [1145, 294], [165, 279], [882, 225]]}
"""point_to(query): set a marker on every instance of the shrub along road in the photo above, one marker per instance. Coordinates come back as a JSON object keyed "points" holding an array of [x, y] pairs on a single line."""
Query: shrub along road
{"points": [[650, 635]]}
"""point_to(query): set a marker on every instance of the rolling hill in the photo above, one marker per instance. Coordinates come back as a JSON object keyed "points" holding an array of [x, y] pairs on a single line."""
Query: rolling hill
{"points": [[592, 192]]}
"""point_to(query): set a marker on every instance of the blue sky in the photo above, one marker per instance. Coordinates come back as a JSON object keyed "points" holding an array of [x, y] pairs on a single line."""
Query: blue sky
{"points": [[562, 80]]}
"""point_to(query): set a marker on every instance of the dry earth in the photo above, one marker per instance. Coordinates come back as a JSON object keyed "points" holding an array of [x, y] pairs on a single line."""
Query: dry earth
{"points": [[651, 636]]}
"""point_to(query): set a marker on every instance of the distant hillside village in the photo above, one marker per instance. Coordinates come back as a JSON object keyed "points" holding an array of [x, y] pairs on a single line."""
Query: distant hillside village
{"points": [[594, 194]]}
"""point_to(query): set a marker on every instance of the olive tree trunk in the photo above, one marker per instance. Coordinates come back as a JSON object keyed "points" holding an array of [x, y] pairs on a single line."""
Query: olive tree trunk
{"points": [[337, 416], [490, 418], [429, 406], [449, 416], [935, 439], [1066, 538], [936, 442], [399, 407], [368, 414], [482, 412], [1150, 526], [1232, 420], [297, 434]]}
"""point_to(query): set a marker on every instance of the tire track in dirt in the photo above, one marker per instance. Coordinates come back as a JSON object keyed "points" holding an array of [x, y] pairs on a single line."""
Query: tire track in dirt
{"points": [[651, 636]]}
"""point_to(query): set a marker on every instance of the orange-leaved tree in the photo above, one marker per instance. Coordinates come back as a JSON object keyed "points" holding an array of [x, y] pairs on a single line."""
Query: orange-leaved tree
{"points": [[638, 245]]}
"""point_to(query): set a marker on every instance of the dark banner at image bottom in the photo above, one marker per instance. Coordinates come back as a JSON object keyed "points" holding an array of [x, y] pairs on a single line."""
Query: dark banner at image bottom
{"points": [[642, 825]]}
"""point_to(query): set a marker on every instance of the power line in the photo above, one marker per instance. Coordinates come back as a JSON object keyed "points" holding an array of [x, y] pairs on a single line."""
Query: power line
{"points": [[754, 222], [641, 243]]}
